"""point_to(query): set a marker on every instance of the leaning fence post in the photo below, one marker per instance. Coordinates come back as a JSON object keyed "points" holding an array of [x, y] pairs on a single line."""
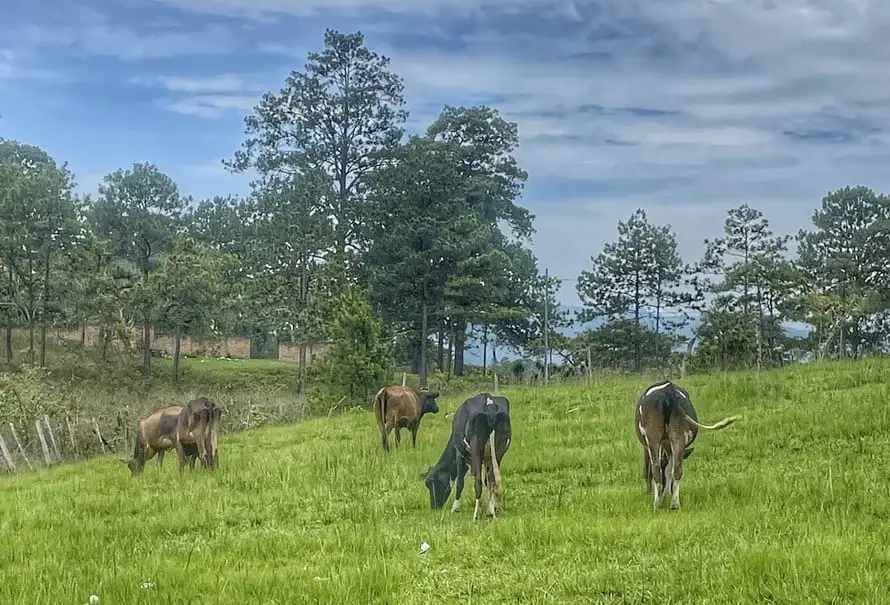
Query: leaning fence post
{"points": [[43, 444], [6, 455], [18, 444], [71, 435], [99, 435], [52, 437]]}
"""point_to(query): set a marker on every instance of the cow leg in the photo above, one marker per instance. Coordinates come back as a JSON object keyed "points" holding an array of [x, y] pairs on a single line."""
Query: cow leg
{"points": [[413, 429], [647, 468], [476, 468], [384, 436], [656, 473], [192, 460], [667, 472], [462, 469], [180, 451], [160, 458], [398, 434], [676, 473]]}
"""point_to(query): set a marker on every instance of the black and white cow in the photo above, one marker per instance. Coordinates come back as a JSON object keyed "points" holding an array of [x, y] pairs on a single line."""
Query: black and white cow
{"points": [[479, 421], [666, 424]]}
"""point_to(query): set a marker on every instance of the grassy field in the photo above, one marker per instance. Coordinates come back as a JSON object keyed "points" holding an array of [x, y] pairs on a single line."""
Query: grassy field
{"points": [[789, 505]]}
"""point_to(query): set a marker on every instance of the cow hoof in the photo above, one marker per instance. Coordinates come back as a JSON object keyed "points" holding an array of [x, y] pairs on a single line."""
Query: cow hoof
{"points": [[455, 507], [675, 506]]}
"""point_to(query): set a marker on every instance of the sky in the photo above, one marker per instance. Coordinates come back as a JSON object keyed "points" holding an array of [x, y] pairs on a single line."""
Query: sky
{"points": [[684, 108]]}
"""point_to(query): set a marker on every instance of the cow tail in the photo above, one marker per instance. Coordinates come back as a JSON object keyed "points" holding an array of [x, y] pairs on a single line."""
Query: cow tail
{"points": [[380, 406]]}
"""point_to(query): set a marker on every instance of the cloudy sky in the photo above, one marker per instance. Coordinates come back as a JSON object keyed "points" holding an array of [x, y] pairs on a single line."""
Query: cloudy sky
{"points": [[681, 107]]}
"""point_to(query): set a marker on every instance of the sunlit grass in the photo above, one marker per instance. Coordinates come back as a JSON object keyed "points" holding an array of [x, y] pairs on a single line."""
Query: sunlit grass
{"points": [[789, 505]]}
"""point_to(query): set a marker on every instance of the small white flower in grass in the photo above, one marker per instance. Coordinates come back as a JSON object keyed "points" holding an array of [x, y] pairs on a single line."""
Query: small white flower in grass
{"points": [[148, 584], [94, 598], [424, 548]]}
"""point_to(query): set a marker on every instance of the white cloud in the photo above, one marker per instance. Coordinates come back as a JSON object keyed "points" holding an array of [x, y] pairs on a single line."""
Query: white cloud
{"points": [[683, 108]]}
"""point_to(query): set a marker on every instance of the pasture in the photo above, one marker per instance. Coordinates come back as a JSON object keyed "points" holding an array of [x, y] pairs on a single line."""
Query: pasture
{"points": [[789, 505]]}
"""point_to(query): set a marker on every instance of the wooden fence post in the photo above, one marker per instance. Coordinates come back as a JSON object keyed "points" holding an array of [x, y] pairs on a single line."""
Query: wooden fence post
{"points": [[52, 437], [6, 455], [43, 444], [18, 444], [99, 435]]}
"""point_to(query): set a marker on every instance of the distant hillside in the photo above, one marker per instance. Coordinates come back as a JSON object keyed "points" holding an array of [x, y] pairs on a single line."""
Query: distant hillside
{"points": [[473, 355]]}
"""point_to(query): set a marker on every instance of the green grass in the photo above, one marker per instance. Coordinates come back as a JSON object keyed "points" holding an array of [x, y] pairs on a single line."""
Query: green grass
{"points": [[789, 505]]}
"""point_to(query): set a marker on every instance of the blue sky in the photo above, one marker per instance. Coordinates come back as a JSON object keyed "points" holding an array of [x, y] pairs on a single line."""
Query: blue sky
{"points": [[684, 107]]}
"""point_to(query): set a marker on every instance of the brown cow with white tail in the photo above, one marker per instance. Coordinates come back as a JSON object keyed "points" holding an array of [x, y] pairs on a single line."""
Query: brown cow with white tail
{"points": [[666, 424], [398, 407]]}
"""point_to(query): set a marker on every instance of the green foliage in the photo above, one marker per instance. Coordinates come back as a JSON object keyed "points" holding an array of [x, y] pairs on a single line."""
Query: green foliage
{"points": [[845, 257], [359, 362], [340, 116], [641, 275]]}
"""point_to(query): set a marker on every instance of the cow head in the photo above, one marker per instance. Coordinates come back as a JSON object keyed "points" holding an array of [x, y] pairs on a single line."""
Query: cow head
{"points": [[136, 467], [438, 482], [428, 403]]}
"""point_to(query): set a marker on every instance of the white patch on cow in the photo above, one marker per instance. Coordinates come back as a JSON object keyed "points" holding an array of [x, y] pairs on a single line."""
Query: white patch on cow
{"points": [[466, 443], [489, 401], [657, 499], [688, 435], [455, 507], [656, 387], [682, 394], [675, 496], [507, 444]]}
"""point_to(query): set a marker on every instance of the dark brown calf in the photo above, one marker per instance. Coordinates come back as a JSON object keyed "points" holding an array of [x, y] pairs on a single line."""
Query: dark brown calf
{"points": [[199, 424], [666, 424], [155, 434], [398, 407]]}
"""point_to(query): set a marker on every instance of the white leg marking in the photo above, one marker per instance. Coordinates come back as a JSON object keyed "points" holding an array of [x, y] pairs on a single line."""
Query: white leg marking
{"points": [[675, 496], [455, 507], [476, 511], [657, 499], [656, 387], [491, 510]]}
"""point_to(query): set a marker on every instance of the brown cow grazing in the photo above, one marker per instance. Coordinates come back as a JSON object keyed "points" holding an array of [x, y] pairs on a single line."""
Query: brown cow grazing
{"points": [[398, 407], [199, 424], [666, 425], [155, 434], [480, 436]]}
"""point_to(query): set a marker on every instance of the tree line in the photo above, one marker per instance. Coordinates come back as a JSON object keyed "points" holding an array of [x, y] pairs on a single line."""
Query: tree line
{"points": [[403, 249]]}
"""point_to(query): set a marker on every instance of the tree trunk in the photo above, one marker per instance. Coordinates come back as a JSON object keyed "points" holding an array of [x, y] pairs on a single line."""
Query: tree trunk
{"points": [[485, 350], [32, 307], [459, 346], [440, 361], [9, 354], [424, 334], [146, 345], [44, 310], [450, 365], [177, 341], [9, 337]]}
